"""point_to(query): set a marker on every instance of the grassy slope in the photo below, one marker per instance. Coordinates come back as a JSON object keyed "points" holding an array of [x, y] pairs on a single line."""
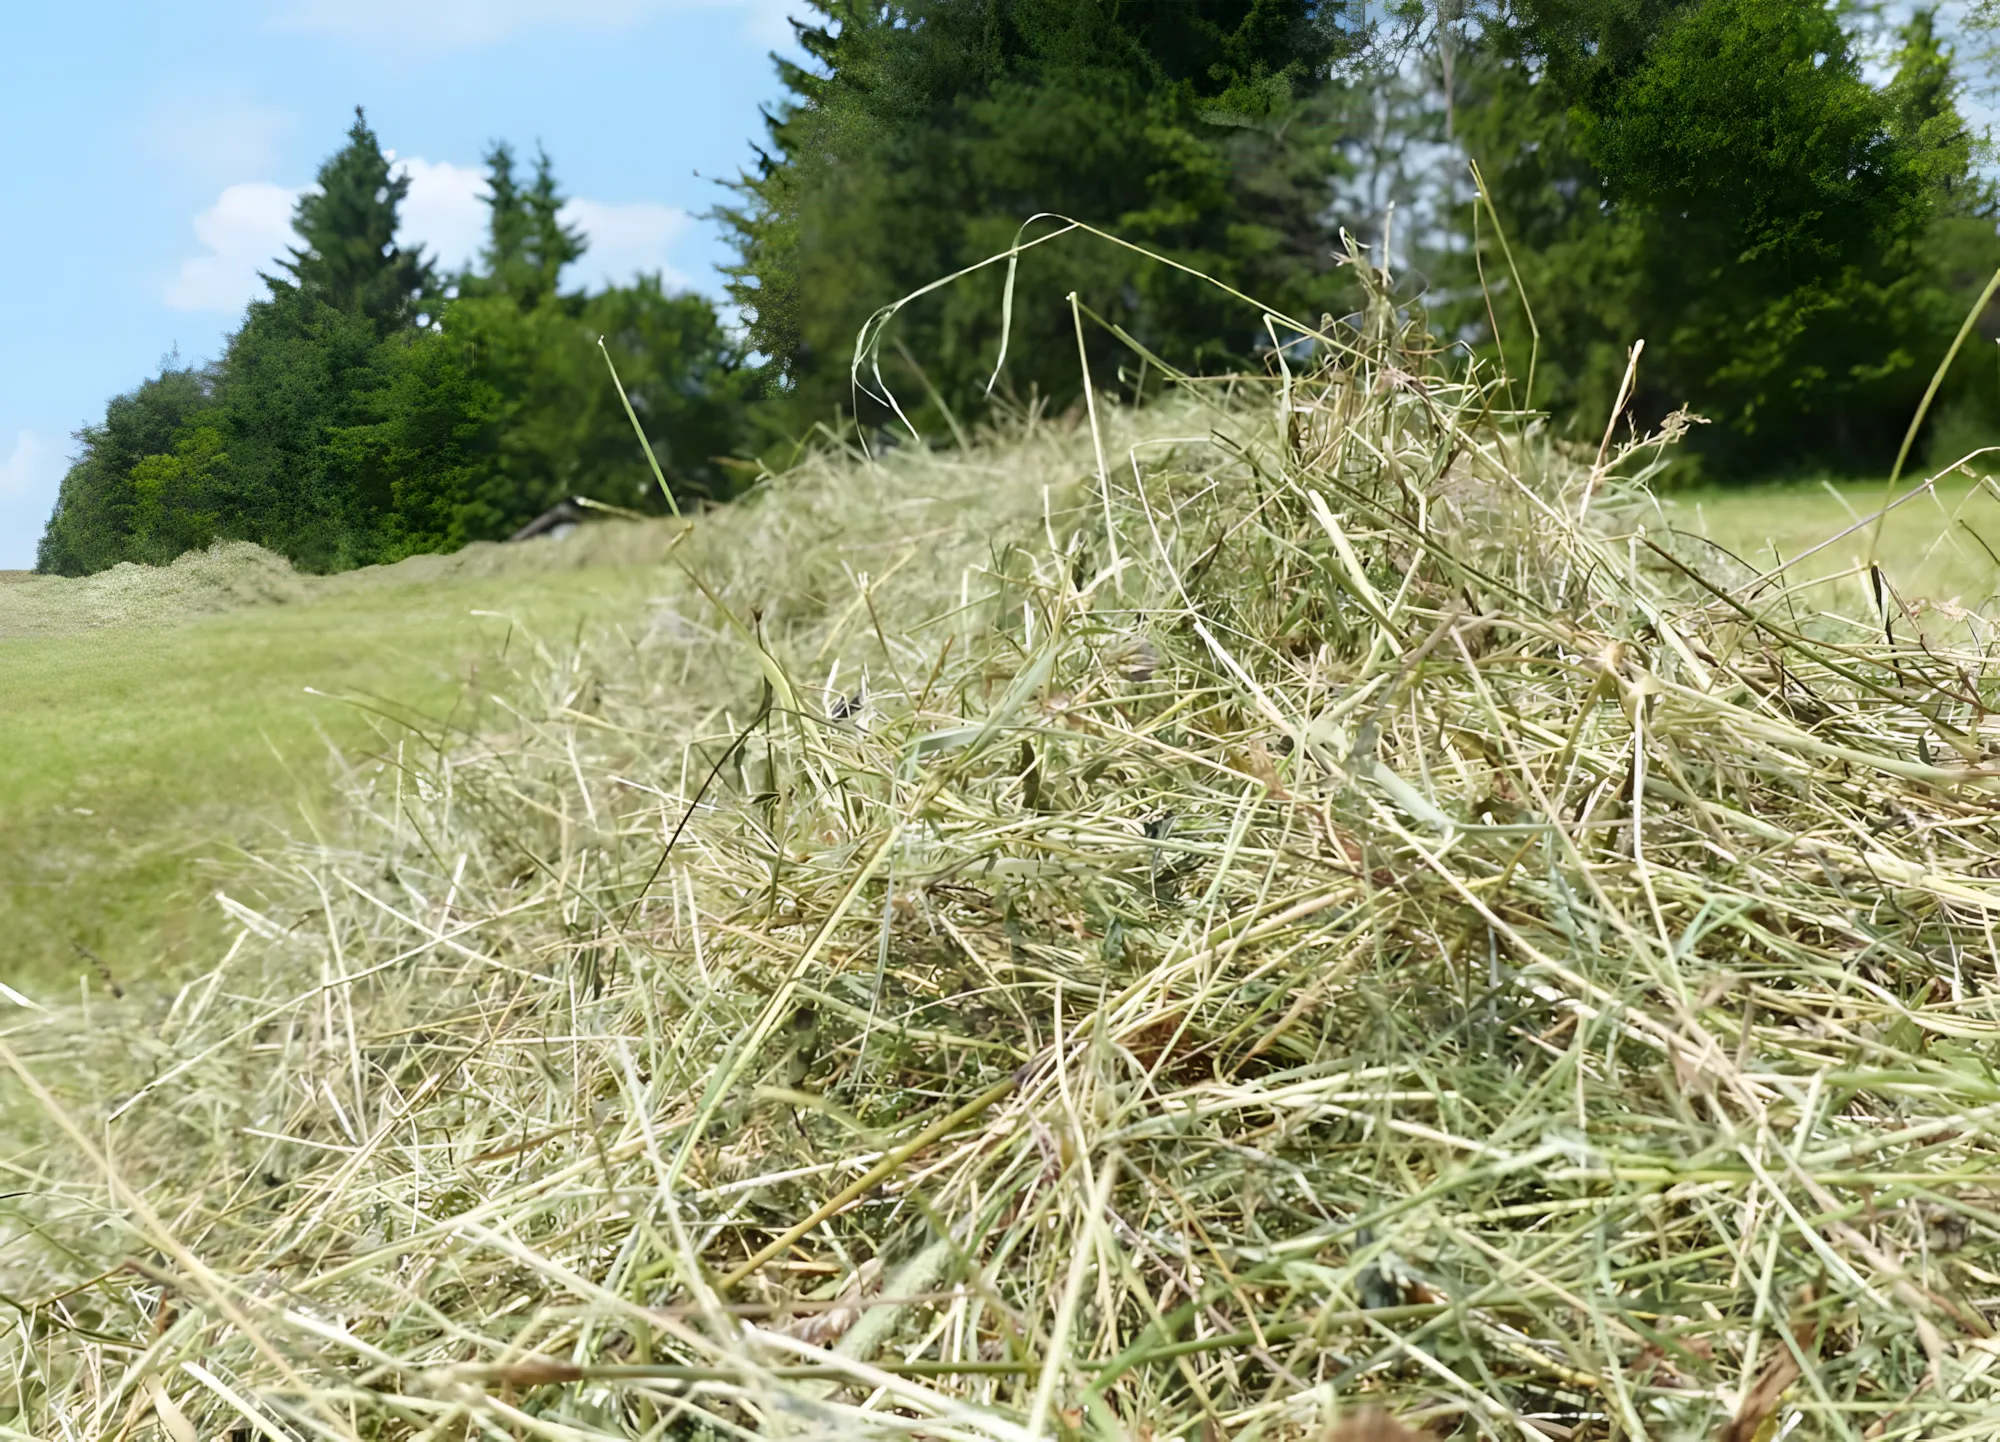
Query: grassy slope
{"points": [[139, 756], [135, 752]]}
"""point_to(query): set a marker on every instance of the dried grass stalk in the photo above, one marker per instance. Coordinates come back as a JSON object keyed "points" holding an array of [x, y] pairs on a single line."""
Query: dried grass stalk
{"points": [[1383, 942]]}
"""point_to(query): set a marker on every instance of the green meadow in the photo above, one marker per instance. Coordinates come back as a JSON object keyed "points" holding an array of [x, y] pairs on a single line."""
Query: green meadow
{"points": [[1939, 545], [156, 750]]}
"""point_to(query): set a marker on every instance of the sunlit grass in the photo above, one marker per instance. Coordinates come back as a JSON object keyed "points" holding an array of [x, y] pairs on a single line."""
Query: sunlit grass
{"points": [[140, 759], [1933, 545], [1151, 938]]}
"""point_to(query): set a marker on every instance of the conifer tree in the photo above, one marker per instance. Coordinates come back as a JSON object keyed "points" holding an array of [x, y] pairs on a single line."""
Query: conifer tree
{"points": [[347, 225], [339, 433], [507, 223], [558, 427], [926, 131], [528, 244], [553, 245]]}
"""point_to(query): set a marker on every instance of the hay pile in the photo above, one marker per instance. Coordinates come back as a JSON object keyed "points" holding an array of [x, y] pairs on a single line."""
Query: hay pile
{"points": [[240, 575], [227, 576], [1298, 906]]}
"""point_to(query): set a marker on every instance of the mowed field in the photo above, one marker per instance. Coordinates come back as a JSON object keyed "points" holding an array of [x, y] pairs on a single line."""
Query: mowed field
{"points": [[1941, 546], [161, 734]]}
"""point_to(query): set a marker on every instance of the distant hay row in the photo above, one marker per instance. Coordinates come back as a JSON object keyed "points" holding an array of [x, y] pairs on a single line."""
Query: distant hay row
{"points": [[236, 575]]}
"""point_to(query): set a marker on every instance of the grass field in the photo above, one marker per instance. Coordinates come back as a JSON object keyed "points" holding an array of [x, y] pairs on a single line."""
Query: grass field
{"points": [[1933, 545], [157, 738], [154, 736]]}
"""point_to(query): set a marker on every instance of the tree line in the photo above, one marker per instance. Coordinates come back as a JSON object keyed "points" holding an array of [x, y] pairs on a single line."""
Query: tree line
{"points": [[1796, 242], [369, 408]]}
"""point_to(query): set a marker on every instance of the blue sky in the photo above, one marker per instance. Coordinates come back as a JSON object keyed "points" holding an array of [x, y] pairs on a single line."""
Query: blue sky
{"points": [[157, 148]]}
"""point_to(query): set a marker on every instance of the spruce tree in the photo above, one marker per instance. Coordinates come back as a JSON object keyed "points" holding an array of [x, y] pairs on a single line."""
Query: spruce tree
{"points": [[347, 225], [528, 245], [338, 433], [926, 131], [314, 364], [552, 244], [558, 426], [507, 225]]}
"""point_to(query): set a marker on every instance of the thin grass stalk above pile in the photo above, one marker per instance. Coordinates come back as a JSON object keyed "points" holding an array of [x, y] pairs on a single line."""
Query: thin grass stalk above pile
{"points": [[1188, 923]]}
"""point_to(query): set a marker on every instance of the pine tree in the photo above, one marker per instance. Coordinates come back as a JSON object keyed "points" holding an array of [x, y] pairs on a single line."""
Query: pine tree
{"points": [[926, 131], [507, 224], [347, 225], [338, 433], [299, 374], [314, 364], [553, 244], [528, 244]]}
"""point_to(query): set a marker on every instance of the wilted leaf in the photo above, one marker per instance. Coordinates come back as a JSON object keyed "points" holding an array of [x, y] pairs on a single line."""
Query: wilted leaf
{"points": [[1761, 1401]]}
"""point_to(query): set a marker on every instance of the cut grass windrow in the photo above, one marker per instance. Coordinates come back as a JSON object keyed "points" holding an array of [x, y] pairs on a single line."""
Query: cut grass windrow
{"points": [[1192, 923]]}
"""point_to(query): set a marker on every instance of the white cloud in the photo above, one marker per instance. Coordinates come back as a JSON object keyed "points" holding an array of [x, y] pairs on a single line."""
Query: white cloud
{"points": [[443, 210], [446, 213], [250, 226], [32, 469], [245, 231], [626, 241], [465, 23]]}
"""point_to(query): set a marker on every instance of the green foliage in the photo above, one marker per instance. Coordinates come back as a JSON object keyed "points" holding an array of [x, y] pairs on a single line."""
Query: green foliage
{"points": [[931, 129], [1795, 245], [426, 450], [558, 427], [1774, 220], [363, 412], [179, 496], [528, 245], [297, 375], [1924, 117], [96, 510], [350, 259], [1959, 246]]}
